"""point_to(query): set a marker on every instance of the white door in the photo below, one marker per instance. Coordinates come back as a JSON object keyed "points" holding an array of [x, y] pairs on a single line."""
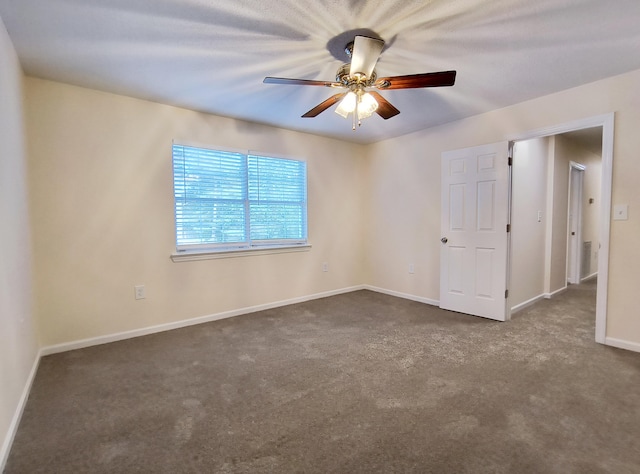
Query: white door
{"points": [[576, 174], [474, 218]]}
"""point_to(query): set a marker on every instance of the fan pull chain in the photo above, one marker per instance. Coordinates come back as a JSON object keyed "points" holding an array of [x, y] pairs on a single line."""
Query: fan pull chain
{"points": [[355, 115]]}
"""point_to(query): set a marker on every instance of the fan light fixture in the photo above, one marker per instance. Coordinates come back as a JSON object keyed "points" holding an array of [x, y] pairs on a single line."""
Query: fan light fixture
{"points": [[361, 104], [360, 75], [347, 105]]}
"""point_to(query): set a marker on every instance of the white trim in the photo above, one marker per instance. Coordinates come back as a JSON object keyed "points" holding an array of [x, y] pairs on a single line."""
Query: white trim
{"points": [[15, 422], [548, 219], [508, 310], [526, 304], [576, 165], [17, 416], [6, 446], [556, 292], [622, 344], [606, 121], [605, 228], [589, 277], [94, 341], [406, 296], [192, 255]]}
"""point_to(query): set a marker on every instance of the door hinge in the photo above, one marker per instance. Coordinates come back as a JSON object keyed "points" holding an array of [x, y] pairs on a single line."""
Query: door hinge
{"points": [[506, 293], [508, 227], [510, 161]]}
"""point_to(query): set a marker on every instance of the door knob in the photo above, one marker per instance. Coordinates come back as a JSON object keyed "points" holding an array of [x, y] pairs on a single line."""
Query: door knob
{"points": [[444, 240]]}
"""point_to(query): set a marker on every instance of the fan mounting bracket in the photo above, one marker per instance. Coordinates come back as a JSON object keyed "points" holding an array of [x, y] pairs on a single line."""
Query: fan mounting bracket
{"points": [[349, 49]]}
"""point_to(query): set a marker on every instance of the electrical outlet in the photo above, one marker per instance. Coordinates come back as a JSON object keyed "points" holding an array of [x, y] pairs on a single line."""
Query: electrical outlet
{"points": [[139, 291], [325, 267], [412, 268]]}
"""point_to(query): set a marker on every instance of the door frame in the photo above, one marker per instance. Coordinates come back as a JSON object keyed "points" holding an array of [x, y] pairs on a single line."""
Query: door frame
{"points": [[606, 121], [574, 221]]}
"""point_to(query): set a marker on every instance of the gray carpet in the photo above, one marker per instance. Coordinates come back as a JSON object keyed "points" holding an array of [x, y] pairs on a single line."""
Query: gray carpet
{"points": [[361, 382]]}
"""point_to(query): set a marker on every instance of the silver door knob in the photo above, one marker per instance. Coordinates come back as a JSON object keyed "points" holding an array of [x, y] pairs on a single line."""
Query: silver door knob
{"points": [[444, 240]]}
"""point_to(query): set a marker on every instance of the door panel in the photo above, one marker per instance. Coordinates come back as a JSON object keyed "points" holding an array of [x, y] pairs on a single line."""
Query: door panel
{"points": [[486, 197], [473, 257], [484, 275], [456, 280], [456, 207]]}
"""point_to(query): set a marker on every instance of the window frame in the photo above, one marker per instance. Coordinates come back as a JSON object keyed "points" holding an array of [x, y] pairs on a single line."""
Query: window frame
{"points": [[248, 246]]}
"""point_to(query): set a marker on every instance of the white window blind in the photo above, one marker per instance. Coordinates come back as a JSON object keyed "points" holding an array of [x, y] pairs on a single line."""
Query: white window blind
{"points": [[234, 200]]}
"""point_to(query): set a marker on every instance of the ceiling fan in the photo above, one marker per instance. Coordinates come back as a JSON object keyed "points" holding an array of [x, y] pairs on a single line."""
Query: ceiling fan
{"points": [[359, 77]]}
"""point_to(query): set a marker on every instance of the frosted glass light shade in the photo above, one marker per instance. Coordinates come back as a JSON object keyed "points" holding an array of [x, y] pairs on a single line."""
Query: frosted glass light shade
{"points": [[347, 105], [367, 106]]}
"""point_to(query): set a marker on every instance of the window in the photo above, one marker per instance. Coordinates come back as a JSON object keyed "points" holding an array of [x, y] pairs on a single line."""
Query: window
{"points": [[228, 200]]}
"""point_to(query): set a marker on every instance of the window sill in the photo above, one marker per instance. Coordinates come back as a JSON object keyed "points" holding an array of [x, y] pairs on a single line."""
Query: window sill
{"points": [[192, 255]]}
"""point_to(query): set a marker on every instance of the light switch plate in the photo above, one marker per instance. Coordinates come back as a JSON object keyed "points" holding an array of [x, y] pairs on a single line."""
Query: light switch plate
{"points": [[620, 212], [140, 293]]}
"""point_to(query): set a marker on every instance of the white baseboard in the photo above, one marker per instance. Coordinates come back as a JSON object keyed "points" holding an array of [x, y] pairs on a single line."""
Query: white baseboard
{"points": [[593, 275], [554, 293], [526, 304], [406, 296], [94, 341], [6, 446], [622, 344], [17, 416]]}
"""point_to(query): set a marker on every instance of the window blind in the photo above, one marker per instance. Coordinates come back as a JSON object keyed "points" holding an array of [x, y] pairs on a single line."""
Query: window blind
{"points": [[277, 199], [230, 199]]}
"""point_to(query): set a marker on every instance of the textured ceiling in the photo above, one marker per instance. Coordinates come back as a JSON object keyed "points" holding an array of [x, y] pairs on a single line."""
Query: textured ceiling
{"points": [[211, 55]]}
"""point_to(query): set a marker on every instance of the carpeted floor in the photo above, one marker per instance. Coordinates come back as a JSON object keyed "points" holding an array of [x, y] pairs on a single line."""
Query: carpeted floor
{"points": [[356, 383]]}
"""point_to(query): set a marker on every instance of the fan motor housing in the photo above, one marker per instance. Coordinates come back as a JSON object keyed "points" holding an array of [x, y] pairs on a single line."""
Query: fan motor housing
{"points": [[343, 77]]}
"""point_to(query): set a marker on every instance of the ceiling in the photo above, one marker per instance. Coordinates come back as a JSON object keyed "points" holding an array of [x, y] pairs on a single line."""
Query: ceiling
{"points": [[588, 138], [212, 55]]}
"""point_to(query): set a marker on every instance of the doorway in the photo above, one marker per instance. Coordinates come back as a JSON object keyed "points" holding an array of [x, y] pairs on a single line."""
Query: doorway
{"points": [[558, 262]]}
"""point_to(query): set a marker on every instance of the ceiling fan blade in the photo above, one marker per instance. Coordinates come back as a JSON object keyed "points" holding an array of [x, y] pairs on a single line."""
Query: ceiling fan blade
{"points": [[385, 109], [364, 57], [299, 82], [321, 107], [430, 79]]}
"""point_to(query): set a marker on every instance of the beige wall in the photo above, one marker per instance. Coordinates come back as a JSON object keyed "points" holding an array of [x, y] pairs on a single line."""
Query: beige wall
{"points": [[404, 189], [101, 179], [18, 341], [591, 189], [103, 222], [403, 219], [528, 236]]}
